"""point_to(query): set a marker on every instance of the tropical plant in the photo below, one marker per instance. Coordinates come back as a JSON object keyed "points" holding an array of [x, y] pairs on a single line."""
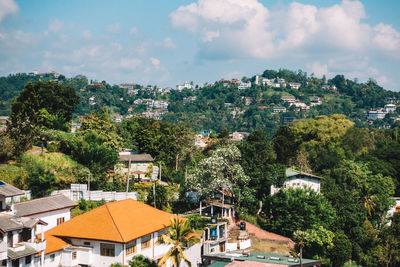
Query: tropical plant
{"points": [[180, 236]]}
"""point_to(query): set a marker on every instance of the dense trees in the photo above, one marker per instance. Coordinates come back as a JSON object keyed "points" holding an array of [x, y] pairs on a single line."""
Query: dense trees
{"points": [[40, 104]]}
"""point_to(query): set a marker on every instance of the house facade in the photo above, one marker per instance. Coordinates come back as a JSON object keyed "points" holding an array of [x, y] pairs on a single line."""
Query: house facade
{"points": [[297, 179], [112, 233], [53, 210], [18, 242], [139, 166]]}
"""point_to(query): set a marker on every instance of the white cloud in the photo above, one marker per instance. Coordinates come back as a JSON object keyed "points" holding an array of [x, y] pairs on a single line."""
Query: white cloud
{"points": [[208, 36], [318, 69], [7, 7], [133, 31], [168, 43], [240, 29], [114, 28], [155, 62], [386, 38], [56, 25]]}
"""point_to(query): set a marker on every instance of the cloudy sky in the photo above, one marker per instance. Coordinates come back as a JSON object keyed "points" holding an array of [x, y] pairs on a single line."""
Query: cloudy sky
{"points": [[166, 42]]}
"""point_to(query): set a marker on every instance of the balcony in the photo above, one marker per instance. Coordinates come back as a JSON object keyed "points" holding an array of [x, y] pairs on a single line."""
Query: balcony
{"points": [[3, 250], [38, 245]]}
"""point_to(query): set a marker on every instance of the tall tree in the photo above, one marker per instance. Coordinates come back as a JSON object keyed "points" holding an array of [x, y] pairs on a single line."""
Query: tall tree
{"points": [[259, 162], [29, 110], [220, 171]]}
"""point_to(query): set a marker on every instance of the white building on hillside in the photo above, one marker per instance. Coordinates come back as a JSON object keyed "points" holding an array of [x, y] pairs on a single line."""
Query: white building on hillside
{"points": [[296, 179]]}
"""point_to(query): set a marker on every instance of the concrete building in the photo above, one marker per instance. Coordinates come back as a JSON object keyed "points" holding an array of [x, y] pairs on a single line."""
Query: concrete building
{"points": [[112, 233], [18, 242], [298, 179], [53, 210]]}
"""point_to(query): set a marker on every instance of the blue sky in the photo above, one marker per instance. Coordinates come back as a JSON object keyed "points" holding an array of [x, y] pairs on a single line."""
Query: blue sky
{"points": [[169, 42]]}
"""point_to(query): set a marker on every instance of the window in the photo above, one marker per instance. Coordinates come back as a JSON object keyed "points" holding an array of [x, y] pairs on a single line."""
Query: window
{"points": [[74, 255], [146, 242], [107, 250], [60, 220], [28, 259], [160, 234], [131, 248], [86, 243], [52, 257]]}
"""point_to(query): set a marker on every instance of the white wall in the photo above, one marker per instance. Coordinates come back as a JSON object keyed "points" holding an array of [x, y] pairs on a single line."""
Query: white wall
{"points": [[311, 183], [52, 216]]}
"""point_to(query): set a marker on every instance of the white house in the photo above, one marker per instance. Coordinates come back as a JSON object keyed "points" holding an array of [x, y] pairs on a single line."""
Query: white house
{"points": [[295, 85], [137, 164], [389, 108], [112, 233], [376, 114], [18, 242], [52, 210], [243, 85], [296, 179]]}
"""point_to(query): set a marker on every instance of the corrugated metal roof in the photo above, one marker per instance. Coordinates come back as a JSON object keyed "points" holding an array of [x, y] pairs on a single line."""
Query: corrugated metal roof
{"points": [[12, 254], [136, 157], [290, 173], [10, 223], [7, 190], [44, 204]]}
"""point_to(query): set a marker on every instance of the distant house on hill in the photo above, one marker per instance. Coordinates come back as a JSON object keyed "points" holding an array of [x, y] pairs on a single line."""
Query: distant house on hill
{"points": [[298, 179], [138, 165]]}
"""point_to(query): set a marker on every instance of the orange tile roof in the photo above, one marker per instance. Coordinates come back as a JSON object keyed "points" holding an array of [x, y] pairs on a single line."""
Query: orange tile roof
{"points": [[121, 221]]}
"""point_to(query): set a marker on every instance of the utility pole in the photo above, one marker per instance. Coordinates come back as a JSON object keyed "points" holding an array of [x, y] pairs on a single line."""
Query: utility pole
{"points": [[154, 192], [89, 184], [129, 173]]}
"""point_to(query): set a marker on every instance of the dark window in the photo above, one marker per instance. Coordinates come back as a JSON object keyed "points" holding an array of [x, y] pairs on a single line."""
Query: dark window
{"points": [[60, 220], [28, 259], [86, 243], [107, 250]]}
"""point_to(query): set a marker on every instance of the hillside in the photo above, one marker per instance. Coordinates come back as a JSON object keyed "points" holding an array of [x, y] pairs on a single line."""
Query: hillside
{"points": [[261, 102]]}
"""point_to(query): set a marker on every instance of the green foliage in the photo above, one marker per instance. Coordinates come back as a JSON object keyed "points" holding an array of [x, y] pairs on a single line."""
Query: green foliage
{"points": [[198, 222], [32, 109], [141, 261], [41, 182], [85, 206], [220, 171], [259, 163], [298, 209]]}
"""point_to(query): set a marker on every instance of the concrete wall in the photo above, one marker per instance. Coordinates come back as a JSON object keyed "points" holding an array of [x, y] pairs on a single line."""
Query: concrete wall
{"points": [[52, 216]]}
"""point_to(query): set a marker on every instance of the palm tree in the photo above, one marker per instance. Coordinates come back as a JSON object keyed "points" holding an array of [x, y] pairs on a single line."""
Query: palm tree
{"points": [[179, 235]]}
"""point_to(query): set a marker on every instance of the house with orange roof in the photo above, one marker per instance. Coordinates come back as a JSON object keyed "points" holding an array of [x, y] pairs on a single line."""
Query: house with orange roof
{"points": [[114, 232]]}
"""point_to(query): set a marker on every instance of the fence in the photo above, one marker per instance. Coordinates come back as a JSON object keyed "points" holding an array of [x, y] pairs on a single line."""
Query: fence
{"points": [[79, 191]]}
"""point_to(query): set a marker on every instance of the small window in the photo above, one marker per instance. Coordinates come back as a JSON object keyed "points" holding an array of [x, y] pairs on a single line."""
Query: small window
{"points": [[60, 220], [131, 248], [52, 257], [86, 243], [28, 260], [107, 250], [74, 255], [146, 242], [160, 234]]}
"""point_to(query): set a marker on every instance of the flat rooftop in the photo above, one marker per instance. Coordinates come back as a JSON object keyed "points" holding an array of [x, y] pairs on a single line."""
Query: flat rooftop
{"points": [[257, 258]]}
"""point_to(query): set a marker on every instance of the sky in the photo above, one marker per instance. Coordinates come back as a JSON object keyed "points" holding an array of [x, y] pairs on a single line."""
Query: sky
{"points": [[168, 42]]}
